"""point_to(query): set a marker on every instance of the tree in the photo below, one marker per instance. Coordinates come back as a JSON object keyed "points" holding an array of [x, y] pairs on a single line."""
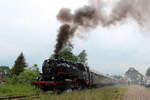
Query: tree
{"points": [[20, 65], [66, 53], [82, 57], [5, 71], [148, 72]]}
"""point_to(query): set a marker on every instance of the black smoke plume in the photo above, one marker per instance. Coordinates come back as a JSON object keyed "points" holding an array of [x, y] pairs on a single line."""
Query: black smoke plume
{"points": [[92, 15], [65, 32]]}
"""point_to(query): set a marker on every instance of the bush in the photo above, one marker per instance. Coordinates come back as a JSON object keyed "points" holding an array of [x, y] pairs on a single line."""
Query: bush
{"points": [[14, 90], [19, 85], [25, 77]]}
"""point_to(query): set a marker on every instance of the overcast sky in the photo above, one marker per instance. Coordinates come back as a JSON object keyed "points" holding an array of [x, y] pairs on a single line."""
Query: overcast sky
{"points": [[30, 26]]}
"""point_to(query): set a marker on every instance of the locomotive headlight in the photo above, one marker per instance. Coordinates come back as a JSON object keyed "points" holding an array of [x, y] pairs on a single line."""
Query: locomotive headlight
{"points": [[53, 78]]}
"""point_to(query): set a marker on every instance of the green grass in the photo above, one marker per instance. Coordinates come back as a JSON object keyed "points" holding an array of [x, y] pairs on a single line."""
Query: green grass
{"points": [[13, 90], [109, 93], [106, 93]]}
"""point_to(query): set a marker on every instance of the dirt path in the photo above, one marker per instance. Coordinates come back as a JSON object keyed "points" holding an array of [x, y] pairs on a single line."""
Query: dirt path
{"points": [[137, 93]]}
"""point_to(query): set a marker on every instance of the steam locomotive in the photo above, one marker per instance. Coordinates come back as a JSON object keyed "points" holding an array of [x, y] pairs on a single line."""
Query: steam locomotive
{"points": [[61, 75]]}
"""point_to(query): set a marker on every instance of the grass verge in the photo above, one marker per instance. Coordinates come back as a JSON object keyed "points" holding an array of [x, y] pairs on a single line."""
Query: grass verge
{"points": [[107, 93], [16, 90]]}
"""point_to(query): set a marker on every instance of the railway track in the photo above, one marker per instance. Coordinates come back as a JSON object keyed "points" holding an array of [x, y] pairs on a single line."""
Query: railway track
{"points": [[19, 97]]}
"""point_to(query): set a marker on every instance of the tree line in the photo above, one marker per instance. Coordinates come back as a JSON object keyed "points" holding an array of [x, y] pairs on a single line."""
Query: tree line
{"points": [[20, 68]]}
